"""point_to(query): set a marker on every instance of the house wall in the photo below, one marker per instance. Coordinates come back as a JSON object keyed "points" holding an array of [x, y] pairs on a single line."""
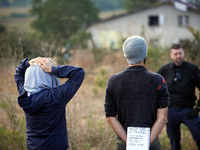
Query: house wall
{"points": [[112, 32]]}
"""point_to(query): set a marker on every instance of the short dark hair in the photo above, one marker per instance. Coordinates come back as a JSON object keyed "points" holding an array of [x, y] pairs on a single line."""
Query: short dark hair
{"points": [[176, 46]]}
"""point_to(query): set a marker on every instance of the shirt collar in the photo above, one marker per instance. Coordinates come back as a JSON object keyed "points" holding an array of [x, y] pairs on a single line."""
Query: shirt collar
{"points": [[136, 68]]}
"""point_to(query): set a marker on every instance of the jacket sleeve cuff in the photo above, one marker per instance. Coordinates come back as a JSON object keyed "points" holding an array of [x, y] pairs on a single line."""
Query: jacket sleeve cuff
{"points": [[25, 62], [54, 70]]}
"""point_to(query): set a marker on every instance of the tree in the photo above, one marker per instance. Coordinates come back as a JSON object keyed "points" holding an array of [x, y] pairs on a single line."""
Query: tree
{"points": [[137, 4], [4, 3], [58, 20], [192, 46], [21, 3], [108, 4]]}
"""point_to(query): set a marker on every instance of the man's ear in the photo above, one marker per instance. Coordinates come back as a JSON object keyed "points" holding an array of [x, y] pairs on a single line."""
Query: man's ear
{"points": [[145, 60], [171, 55]]}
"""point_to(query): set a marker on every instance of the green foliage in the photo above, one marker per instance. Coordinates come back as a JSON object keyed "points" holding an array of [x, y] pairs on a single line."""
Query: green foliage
{"points": [[108, 4], [100, 82], [80, 39], [18, 3], [12, 126], [185, 136], [58, 20], [95, 91], [192, 47], [164, 141], [11, 139], [16, 15], [101, 79], [21, 3], [13, 136], [2, 28], [99, 54], [156, 57], [137, 4], [4, 104], [8, 43], [4, 3], [13, 43]]}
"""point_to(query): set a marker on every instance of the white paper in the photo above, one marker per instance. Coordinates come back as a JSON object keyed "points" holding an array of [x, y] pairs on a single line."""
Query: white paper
{"points": [[138, 138]]}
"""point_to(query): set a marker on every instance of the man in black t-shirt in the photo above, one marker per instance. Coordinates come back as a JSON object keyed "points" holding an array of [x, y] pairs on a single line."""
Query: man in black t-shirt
{"points": [[182, 78]]}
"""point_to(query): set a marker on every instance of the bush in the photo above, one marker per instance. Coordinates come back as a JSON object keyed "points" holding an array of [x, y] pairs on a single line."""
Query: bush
{"points": [[12, 138], [12, 43], [192, 47], [100, 80], [157, 57], [2, 28], [18, 15]]}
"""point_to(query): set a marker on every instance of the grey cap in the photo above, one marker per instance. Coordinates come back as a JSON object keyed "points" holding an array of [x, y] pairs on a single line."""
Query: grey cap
{"points": [[135, 49]]}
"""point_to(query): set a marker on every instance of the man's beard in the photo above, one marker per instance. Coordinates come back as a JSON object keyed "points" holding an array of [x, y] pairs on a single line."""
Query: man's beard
{"points": [[179, 61]]}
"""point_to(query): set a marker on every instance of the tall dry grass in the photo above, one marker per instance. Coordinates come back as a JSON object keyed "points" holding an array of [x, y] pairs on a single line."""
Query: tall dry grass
{"points": [[87, 105], [87, 125], [12, 122]]}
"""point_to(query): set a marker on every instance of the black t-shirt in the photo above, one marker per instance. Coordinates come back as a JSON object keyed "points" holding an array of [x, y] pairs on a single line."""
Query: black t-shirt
{"points": [[181, 82]]}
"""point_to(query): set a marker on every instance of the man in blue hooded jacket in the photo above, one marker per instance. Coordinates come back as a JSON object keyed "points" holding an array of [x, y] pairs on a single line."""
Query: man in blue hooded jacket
{"points": [[44, 101]]}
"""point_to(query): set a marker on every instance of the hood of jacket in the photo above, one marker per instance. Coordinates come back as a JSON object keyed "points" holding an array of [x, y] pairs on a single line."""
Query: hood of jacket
{"points": [[37, 79]]}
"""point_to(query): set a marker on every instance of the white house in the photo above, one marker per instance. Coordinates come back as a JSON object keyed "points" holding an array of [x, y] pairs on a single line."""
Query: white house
{"points": [[160, 25]]}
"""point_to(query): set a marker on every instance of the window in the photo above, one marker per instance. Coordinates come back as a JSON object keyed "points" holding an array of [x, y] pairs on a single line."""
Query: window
{"points": [[153, 20], [183, 20]]}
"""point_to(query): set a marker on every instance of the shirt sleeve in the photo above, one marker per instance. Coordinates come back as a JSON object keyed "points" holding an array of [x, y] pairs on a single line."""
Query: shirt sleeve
{"points": [[163, 94], [110, 106]]}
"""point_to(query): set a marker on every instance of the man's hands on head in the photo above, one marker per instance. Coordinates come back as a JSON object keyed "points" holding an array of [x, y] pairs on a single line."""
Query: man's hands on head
{"points": [[36, 60], [43, 63]]}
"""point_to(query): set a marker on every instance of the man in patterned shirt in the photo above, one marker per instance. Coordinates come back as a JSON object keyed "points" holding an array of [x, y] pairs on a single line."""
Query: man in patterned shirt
{"points": [[136, 97]]}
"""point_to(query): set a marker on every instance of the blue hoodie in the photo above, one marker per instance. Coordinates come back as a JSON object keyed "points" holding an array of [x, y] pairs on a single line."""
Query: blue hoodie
{"points": [[45, 110]]}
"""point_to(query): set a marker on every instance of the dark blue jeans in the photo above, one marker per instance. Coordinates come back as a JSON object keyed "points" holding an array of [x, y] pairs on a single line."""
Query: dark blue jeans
{"points": [[176, 116]]}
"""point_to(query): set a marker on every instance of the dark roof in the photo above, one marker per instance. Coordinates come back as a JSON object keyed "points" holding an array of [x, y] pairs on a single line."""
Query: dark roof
{"points": [[145, 8]]}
